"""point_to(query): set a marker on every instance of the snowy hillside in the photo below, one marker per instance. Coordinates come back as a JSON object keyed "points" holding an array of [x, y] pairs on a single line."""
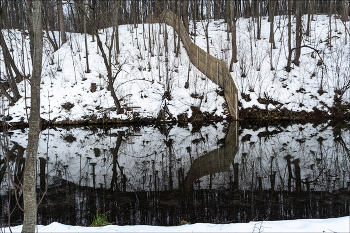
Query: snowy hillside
{"points": [[147, 82]]}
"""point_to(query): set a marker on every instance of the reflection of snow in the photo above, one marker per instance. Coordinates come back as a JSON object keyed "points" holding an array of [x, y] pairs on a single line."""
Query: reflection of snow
{"points": [[151, 160], [315, 149], [142, 153]]}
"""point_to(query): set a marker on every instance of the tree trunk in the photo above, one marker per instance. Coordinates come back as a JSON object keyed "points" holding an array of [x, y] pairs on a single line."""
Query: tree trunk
{"points": [[8, 57], [227, 19], [93, 19], [52, 42], [345, 13], [178, 24], [233, 32], [185, 15], [12, 82], [195, 18], [330, 25], [116, 25], [29, 182], [298, 33], [308, 25], [9, 66], [61, 21], [4, 92], [289, 60], [247, 9], [109, 71], [86, 46], [114, 183], [258, 22], [202, 10], [206, 29], [174, 8], [272, 4]]}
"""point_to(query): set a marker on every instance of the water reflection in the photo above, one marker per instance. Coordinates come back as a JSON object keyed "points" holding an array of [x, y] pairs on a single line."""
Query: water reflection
{"points": [[163, 174]]}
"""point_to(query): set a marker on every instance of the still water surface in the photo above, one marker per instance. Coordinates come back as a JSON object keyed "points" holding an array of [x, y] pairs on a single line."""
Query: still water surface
{"points": [[161, 175]]}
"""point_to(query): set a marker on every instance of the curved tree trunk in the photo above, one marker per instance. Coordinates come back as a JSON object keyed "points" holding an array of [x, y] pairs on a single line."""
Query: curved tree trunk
{"points": [[109, 74], [29, 183], [8, 58]]}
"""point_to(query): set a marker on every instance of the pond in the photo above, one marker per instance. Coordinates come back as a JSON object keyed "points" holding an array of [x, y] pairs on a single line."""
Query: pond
{"points": [[163, 174]]}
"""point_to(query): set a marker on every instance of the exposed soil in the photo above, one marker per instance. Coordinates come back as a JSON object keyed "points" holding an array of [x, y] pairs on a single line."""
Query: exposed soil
{"points": [[285, 114], [254, 113]]}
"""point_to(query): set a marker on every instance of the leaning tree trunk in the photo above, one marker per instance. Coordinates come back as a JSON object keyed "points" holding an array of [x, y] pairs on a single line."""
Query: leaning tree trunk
{"points": [[29, 182], [7, 56], [109, 73]]}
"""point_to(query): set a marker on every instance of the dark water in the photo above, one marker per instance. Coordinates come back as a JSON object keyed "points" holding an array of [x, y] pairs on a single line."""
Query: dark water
{"points": [[160, 175]]}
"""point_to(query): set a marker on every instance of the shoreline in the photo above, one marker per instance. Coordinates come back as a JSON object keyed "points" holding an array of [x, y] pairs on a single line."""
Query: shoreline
{"points": [[245, 115]]}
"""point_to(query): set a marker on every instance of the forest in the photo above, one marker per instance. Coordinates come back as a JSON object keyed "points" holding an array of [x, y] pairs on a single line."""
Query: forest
{"points": [[290, 27], [190, 61]]}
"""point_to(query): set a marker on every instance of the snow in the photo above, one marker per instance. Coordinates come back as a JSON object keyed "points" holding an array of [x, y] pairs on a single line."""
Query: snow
{"points": [[71, 161], [141, 84], [314, 146], [300, 225]]}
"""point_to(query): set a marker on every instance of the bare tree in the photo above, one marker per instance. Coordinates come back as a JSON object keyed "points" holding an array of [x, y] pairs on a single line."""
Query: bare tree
{"points": [[298, 32], [345, 13], [185, 15], [330, 24], [49, 23], [257, 13], [289, 60], [178, 23], [174, 9], [61, 21], [233, 33], [29, 182], [272, 6], [10, 70], [309, 13], [116, 25], [107, 59], [86, 43]]}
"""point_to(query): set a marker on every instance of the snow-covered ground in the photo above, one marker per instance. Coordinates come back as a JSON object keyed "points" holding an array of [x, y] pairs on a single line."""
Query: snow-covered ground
{"points": [[145, 77], [301, 225], [264, 68]]}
